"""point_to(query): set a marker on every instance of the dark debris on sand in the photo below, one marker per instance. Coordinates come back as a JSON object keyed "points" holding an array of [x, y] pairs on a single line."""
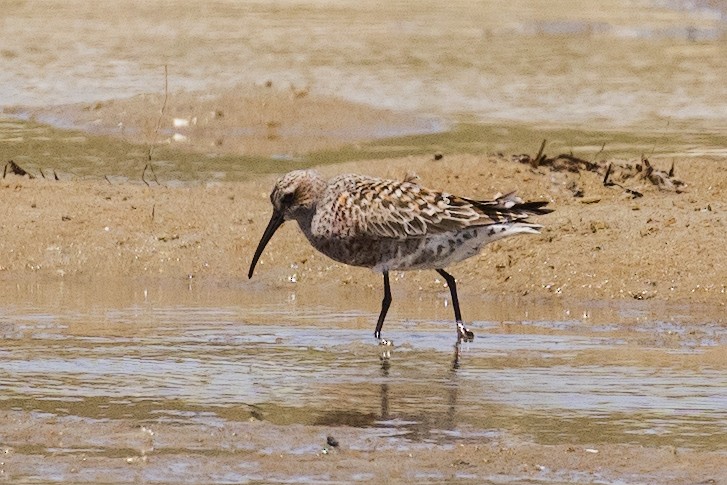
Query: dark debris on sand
{"points": [[629, 175], [13, 168]]}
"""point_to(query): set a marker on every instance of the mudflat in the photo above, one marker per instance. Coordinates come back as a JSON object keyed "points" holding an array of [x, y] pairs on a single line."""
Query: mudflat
{"points": [[136, 349], [601, 244], [601, 248]]}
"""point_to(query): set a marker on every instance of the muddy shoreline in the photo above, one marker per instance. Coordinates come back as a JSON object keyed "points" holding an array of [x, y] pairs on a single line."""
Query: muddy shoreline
{"points": [[601, 249], [136, 350], [252, 452], [601, 244]]}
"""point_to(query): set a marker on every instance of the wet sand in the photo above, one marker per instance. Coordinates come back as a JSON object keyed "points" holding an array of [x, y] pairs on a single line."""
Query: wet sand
{"points": [[136, 349], [644, 65], [654, 261], [601, 245], [260, 452], [144, 352], [120, 380]]}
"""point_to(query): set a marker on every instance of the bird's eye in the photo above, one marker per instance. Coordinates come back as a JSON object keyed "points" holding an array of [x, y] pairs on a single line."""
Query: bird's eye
{"points": [[287, 199]]}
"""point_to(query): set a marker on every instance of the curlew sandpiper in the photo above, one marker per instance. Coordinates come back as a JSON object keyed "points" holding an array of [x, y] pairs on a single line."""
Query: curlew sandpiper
{"points": [[390, 225]]}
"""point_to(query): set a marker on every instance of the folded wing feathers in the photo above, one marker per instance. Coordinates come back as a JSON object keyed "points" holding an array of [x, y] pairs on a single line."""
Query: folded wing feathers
{"points": [[404, 209], [370, 207]]}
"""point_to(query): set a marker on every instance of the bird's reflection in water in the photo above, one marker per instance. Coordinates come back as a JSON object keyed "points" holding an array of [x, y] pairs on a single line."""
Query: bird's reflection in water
{"points": [[414, 411], [420, 425]]}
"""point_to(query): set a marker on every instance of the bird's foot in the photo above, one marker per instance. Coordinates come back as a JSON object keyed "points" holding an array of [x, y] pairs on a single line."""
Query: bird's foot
{"points": [[385, 347], [463, 334]]}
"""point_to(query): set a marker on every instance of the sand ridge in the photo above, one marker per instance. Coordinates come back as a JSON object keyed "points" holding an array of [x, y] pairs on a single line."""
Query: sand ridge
{"points": [[603, 245]]}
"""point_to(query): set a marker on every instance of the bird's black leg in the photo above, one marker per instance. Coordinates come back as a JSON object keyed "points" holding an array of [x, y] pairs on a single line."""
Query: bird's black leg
{"points": [[385, 303], [462, 332]]}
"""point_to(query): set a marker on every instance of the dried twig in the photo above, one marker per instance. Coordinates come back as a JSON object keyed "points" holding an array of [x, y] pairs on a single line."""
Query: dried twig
{"points": [[607, 182], [149, 167], [538, 158], [150, 153], [622, 172], [16, 170]]}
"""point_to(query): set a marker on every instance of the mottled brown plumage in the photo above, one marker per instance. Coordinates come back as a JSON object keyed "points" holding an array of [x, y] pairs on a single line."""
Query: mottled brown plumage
{"points": [[393, 225]]}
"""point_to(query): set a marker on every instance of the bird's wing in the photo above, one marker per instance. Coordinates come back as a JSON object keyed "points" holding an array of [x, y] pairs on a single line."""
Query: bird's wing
{"points": [[377, 208]]}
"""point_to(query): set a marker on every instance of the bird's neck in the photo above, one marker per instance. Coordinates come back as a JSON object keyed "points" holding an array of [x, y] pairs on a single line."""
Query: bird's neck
{"points": [[305, 221]]}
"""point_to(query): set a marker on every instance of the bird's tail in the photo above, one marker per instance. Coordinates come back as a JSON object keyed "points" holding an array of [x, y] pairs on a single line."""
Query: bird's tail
{"points": [[516, 204], [510, 207]]}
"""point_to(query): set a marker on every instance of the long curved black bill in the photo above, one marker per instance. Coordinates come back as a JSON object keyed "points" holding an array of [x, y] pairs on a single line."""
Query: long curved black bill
{"points": [[275, 222]]}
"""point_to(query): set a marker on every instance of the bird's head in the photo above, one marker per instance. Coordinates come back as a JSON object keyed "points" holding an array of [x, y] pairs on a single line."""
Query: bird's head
{"points": [[294, 196]]}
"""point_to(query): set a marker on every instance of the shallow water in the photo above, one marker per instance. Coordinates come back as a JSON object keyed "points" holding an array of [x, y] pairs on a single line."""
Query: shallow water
{"points": [[647, 64], [619, 80], [638, 77], [210, 355], [43, 150], [625, 63]]}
